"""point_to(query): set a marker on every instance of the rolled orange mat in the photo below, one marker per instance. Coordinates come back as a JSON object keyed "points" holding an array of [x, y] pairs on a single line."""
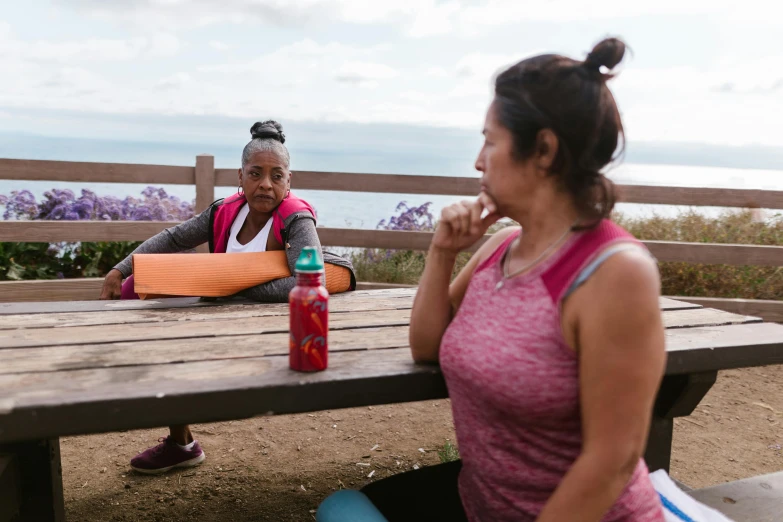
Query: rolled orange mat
{"points": [[218, 275]]}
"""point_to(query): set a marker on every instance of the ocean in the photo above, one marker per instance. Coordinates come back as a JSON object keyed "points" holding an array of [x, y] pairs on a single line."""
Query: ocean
{"points": [[452, 156]]}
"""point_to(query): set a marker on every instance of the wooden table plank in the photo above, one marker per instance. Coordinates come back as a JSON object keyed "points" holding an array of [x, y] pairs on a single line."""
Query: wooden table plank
{"points": [[395, 315], [133, 397], [723, 347], [672, 304], [188, 330], [338, 304], [703, 317], [107, 355], [36, 370], [50, 307], [52, 359]]}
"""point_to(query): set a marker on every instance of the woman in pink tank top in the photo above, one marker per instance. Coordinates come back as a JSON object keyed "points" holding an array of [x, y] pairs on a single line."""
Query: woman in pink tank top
{"points": [[550, 339]]}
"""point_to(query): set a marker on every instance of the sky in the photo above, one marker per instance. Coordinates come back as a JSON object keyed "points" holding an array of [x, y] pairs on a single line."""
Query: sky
{"points": [[701, 73]]}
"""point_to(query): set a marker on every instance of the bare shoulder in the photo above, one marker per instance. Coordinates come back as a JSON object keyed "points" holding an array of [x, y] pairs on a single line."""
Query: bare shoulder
{"points": [[617, 308], [626, 285], [628, 271]]}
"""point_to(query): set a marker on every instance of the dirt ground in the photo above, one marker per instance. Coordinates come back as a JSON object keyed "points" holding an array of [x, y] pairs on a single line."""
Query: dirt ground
{"points": [[280, 468]]}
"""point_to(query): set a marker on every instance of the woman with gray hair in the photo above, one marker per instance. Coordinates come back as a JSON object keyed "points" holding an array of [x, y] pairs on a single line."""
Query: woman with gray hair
{"points": [[262, 216]]}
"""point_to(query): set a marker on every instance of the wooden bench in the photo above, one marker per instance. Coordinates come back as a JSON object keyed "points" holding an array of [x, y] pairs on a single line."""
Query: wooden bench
{"points": [[755, 499]]}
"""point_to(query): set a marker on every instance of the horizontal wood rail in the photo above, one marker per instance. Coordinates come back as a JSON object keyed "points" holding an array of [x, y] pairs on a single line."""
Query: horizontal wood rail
{"points": [[53, 231], [716, 254], [700, 196], [39, 170], [89, 172], [82, 289]]}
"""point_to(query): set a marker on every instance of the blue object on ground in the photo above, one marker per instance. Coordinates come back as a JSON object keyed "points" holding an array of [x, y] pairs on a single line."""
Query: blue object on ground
{"points": [[348, 505]]}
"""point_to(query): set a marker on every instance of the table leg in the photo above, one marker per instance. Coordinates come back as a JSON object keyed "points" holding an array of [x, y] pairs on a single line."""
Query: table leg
{"points": [[40, 481], [9, 488], [678, 397], [658, 454]]}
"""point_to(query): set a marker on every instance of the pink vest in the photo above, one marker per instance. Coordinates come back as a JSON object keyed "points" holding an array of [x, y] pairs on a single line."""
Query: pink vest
{"points": [[514, 388], [223, 217]]}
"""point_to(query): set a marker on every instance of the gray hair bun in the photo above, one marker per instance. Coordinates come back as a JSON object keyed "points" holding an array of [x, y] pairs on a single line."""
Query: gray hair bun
{"points": [[269, 129]]}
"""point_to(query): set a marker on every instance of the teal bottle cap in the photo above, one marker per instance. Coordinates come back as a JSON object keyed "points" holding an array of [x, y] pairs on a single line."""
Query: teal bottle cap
{"points": [[309, 261]]}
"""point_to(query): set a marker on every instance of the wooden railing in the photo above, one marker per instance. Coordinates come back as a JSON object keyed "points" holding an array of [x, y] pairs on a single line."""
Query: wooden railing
{"points": [[205, 178]]}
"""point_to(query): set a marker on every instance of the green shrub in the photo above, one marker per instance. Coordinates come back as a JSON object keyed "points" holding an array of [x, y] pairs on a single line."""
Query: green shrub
{"points": [[20, 261], [699, 280], [696, 280], [448, 453]]}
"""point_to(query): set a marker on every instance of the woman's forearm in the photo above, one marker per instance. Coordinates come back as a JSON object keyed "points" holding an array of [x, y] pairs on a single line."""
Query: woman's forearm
{"points": [[271, 292], [589, 489], [432, 307], [184, 236]]}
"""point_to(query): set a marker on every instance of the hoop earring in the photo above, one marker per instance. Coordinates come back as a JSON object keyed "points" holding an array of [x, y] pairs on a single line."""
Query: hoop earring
{"points": [[240, 192]]}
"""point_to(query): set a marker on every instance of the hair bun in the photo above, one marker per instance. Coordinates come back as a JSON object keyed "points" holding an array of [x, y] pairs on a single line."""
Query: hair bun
{"points": [[269, 129], [608, 53]]}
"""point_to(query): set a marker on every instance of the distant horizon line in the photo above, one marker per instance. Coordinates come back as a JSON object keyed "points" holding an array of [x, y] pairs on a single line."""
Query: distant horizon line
{"points": [[685, 154]]}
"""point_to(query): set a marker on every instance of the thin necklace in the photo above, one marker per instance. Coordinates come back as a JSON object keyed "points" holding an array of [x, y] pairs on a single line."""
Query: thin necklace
{"points": [[505, 276]]}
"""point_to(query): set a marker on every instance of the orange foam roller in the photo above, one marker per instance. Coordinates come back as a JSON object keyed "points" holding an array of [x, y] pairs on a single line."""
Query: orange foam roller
{"points": [[218, 275]]}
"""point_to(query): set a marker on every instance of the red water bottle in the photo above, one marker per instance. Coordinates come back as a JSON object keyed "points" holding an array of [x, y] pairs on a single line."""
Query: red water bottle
{"points": [[309, 314]]}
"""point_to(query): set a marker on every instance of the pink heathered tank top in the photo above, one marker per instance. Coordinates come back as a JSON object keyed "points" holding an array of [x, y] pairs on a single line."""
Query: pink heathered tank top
{"points": [[514, 388]]}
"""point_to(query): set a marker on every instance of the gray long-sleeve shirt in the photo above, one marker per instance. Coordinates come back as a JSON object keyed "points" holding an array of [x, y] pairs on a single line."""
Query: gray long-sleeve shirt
{"points": [[195, 231]]}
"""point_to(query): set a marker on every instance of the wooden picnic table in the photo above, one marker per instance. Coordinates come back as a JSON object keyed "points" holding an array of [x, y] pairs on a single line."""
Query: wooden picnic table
{"points": [[84, 367]]}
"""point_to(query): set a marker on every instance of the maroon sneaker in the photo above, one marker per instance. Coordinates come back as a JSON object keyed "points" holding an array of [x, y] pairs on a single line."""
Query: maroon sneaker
{"points": [[167, 455]]}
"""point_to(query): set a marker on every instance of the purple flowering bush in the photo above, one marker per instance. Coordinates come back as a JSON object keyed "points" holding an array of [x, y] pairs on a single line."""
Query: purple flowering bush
{"points": [[399, 266], [58, 204], [411, 219], [65, 260]]}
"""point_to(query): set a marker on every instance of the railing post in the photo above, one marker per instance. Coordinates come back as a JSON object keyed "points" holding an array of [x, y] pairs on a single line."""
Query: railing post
{"points": [[205, 186], [205, 181]]}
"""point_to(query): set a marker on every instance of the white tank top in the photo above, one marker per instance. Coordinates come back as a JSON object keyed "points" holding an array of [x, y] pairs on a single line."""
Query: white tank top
{"points": [[257, 244]]}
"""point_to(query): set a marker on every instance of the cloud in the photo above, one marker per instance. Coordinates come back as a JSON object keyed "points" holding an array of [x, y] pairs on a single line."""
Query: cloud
{"points": [[362, 72], [158, 45], [415, 18], [436, 72], [279, 13], [734, 76], [473, 18], [174, 81], [220, 46], [301, 61], [432, 19], [767, 87], [162, 44], [485, 65], [344, 74], [181, 13]]}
